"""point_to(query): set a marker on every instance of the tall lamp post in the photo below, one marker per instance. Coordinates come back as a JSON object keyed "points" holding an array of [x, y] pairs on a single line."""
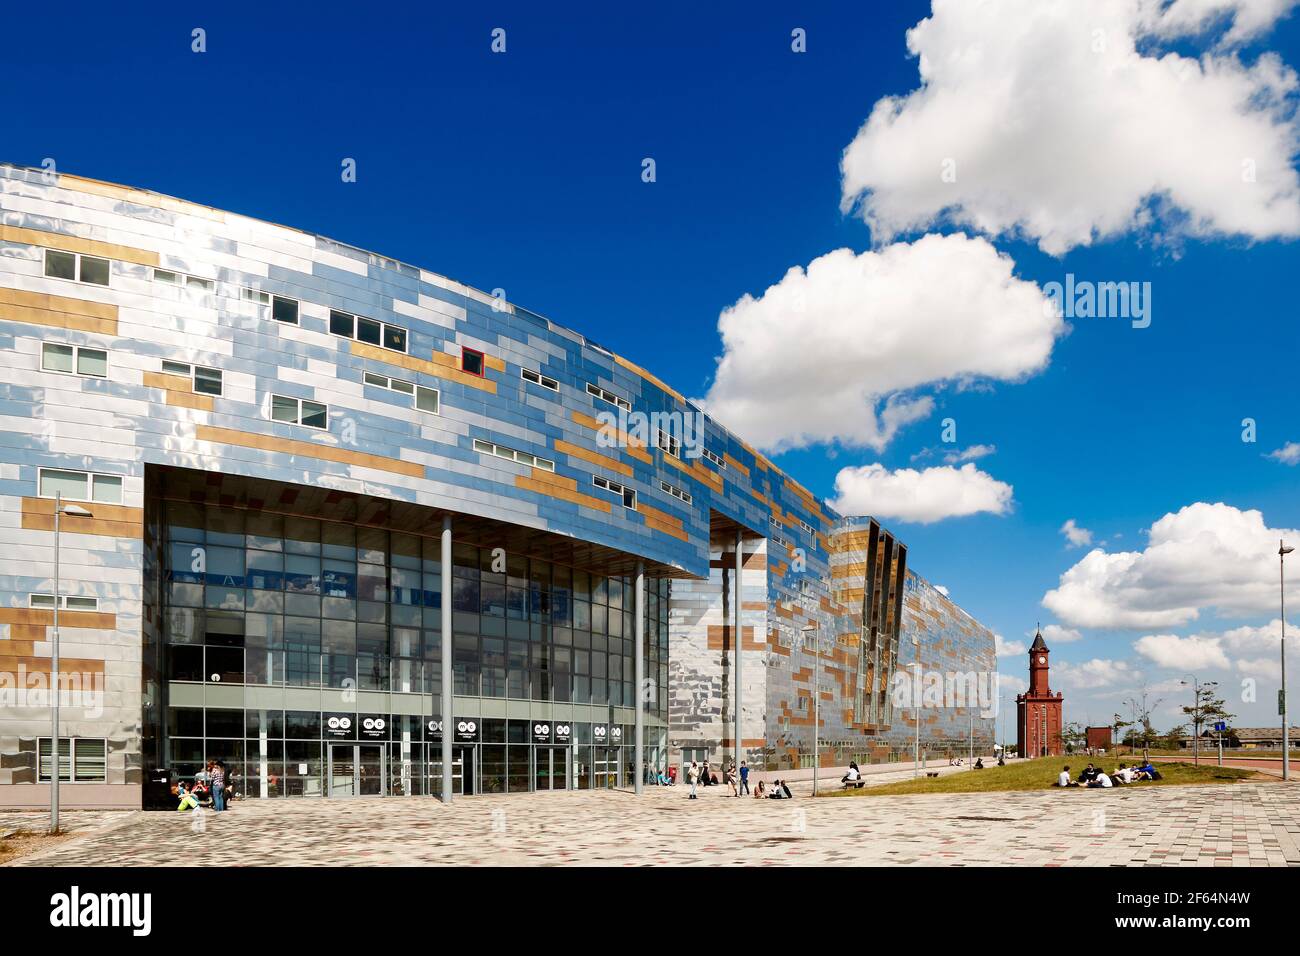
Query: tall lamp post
{"points": [[1282, 552], [60, 509], [1196, 712], [810, 633]]}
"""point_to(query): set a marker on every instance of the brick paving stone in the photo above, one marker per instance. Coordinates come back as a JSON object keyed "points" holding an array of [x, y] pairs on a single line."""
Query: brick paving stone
{"points": [[1244, 824]]}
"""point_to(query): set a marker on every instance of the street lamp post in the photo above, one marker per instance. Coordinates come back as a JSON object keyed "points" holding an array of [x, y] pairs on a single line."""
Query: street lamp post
{"points": [[59, 511], [1282, 552]]}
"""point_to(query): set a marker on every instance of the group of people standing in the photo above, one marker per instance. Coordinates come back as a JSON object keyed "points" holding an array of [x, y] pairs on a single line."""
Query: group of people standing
{"points": [[702, 775], [209, 787]]}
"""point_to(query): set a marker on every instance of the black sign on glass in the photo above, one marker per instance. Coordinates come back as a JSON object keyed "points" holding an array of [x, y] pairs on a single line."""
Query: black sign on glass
{"points": [[541, 731], [341, 726], [563, 733], [466, 728], [615, 734], [433, 729], [374, 727], [599, 734]]}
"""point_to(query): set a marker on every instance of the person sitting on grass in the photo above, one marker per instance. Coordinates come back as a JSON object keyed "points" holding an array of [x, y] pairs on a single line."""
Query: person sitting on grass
{"points": [[1125, 775], [1063, 779], [853, 775], [1088, 774], [1101, 781], [979, 763]]}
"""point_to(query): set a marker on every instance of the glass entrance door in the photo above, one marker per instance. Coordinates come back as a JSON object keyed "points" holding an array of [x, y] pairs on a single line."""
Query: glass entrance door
{"points": [[550, 768], [462, 770], [356, 770], [370, 771], [606, 767], [342, 770]]}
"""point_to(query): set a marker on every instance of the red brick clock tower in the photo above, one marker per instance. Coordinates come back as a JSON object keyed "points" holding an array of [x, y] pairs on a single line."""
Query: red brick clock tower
{"points": [[1038, 710]]}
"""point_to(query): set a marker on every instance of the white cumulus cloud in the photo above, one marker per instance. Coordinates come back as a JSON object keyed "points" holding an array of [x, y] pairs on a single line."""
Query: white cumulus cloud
{"points": [[1007, 648], [1288, 454], [1182, 18], [1096, 673], [923, 496], [836, 351], [1076, 536], [1054, 634], [1058, 121], [1189, 653], [1202, 556]]}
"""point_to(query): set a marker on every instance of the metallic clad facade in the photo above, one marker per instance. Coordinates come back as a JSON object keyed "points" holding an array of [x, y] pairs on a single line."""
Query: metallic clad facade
{"points": [[376, 443]]}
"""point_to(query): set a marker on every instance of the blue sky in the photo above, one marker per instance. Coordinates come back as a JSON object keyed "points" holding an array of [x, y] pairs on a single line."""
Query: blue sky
{"points": [[523, 171]]}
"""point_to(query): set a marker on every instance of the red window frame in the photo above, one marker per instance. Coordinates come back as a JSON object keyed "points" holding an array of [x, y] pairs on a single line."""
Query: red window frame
{"points": [[482, 361]]}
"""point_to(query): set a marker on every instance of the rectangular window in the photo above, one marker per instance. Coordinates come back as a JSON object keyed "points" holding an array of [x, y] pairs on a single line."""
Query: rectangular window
{"points": [[807, 527], [608, 396], [76, 267], [367, 330], [181, 280], [716, 459], [74, 360], [537, 378], [81, 760], [206, 381], [299, 411], [513, 454], [426, 400], [471, 361], [675, 491], [80, 486], [613, 487], [284, 310], [69, 603], [670, 445]]}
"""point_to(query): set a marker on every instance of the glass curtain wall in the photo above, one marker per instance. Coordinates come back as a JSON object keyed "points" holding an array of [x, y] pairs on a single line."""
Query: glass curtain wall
{"points": [[266, 600]]}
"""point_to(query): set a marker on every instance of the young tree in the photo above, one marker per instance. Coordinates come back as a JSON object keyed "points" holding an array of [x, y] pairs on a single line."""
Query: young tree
{"points": [[1141, 708], [1071, 736], [1117, 725], [1207, 709]]}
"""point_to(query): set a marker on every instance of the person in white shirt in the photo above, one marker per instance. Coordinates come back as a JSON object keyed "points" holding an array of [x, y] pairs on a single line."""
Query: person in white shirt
{"points": [[1063, 779], [1101, 780], [853, 774]]}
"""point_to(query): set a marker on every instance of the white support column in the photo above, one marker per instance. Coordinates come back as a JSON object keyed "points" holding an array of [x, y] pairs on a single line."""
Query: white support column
{"points": [[448, 685], [639, 765], [739, 643]]}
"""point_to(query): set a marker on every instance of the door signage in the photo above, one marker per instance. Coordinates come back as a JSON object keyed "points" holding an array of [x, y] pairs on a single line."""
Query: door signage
{"points": [[374, 727], [616, 735], [341, 726], [599, 733], [562, 733], [434, 729], [541, 732], [466, 729]]}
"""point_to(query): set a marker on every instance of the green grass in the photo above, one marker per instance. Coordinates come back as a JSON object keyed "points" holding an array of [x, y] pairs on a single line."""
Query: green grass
{"points": [[1041, 775]]}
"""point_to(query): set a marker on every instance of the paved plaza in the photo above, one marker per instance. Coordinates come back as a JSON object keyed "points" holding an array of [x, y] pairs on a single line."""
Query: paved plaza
{"points": [[1250, 824]]}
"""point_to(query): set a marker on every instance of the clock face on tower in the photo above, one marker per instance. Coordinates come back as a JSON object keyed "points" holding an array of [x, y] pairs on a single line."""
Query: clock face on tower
{"points": [[1042, 660]]}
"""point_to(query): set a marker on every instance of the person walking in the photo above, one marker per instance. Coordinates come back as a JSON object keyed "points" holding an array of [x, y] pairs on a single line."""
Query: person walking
{"points": [[744, 778], [219, 787], [692, 777]]}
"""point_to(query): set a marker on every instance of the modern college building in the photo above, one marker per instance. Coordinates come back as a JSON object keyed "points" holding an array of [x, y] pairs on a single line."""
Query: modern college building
{"points": [[298, 477]]}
